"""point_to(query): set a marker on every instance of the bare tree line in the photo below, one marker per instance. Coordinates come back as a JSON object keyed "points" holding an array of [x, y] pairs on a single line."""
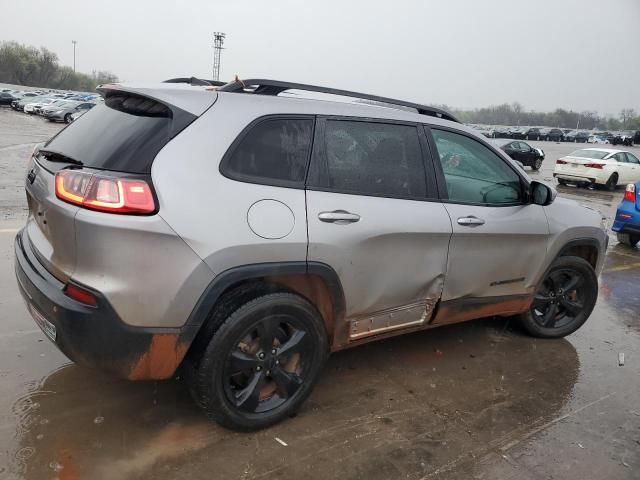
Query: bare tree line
{"points": [[515, 114]]}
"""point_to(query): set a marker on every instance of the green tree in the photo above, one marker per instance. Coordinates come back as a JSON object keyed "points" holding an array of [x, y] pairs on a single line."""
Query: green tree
{"points": [[26, 65]]}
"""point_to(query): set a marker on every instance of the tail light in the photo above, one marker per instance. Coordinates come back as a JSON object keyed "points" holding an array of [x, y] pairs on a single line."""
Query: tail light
{"points": [[560, 162], [630, 193], [81, 295], [105, 193], [599, 166]]}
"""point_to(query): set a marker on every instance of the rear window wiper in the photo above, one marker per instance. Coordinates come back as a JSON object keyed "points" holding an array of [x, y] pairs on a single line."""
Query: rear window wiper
{"points": [[59, 157]]}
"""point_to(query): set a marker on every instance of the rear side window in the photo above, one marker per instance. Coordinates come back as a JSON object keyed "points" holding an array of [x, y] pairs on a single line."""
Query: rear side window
{"points": [[369, 158], [274, 152], [125, 134]]}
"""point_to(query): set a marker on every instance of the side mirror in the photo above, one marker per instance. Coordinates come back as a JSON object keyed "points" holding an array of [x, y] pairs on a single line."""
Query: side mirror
{"points": [[541, 194]]}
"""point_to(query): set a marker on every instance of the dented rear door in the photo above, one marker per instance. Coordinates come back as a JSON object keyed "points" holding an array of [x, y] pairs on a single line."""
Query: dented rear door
{"points": [[370, 217]]}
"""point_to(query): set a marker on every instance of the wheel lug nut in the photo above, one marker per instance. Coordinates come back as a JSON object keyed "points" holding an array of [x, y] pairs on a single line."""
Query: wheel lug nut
{"points": [[277, 362], [273, 351], [258, 368], [261, 355], [268, 372]]}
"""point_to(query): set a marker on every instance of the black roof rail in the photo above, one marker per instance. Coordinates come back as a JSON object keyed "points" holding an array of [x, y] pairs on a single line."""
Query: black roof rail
{"points": [[195, 81], [275, 87]]}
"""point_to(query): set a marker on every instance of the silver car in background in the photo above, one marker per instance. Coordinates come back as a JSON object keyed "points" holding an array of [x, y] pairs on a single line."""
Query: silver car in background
{"points": [[63, 112]]}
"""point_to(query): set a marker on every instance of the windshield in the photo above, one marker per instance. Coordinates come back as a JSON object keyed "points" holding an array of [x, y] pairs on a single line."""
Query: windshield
{"points": [[586, 153]]}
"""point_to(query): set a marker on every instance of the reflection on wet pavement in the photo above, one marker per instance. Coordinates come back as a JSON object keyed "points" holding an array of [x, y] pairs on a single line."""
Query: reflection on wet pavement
{"points": [[422, 398]]}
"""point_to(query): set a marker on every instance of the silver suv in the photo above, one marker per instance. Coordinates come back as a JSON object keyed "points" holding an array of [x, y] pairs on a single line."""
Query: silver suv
{"points": [[243, 232]]}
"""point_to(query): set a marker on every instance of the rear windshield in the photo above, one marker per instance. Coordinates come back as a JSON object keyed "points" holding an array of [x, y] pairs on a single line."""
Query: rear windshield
{"points": [[123, 134], [586, 153]]}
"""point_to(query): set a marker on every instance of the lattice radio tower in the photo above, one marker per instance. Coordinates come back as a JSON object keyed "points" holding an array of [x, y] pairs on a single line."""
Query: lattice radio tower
{"points": [[218, 41]]}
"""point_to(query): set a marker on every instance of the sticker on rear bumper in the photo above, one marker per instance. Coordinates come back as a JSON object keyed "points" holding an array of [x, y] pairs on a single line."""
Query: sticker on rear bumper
{"points": [[45, 325]]}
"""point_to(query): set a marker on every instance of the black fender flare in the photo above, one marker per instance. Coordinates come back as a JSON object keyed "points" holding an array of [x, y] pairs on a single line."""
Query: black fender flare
{"points": [[242, 273]]}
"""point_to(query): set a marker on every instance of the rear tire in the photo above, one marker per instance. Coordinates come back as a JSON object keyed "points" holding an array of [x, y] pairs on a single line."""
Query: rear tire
{"points": [[564, 300], [628, 239], [612, 182], [67, 118], [241, 383]]}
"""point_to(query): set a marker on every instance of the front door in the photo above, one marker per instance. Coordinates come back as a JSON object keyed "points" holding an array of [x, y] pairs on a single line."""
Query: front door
{"points": [[373, 216], [498, 238]]}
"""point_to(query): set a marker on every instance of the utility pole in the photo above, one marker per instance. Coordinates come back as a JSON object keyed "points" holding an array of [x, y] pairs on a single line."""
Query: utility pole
{"points": [[218, 41], [74, 55]]}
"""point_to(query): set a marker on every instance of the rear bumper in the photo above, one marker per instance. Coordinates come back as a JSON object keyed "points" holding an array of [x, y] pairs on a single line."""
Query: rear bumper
{"points": [[575, 178], [627, 219], [96, 336], [53, 116]]}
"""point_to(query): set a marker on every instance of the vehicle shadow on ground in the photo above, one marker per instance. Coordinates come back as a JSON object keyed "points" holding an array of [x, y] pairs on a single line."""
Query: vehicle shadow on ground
{"points": [[401, 406]]}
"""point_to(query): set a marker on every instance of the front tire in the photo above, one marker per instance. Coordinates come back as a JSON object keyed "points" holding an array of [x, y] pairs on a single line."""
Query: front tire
{"points": [[67, 118], [628, 239], [537, 164], [564, 300], [262, 363]]}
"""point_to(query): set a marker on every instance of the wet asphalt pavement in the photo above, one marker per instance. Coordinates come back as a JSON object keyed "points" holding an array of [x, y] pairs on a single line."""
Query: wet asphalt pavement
{"points": [[475, 400]]}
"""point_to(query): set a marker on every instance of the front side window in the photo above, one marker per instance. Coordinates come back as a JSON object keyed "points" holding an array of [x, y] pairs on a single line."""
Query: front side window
{"points": [[473, 173], [274, 151], [368, 158]]}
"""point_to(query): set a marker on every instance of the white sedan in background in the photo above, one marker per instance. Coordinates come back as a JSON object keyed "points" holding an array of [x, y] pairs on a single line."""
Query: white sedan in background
{"points": [[601, 166]]}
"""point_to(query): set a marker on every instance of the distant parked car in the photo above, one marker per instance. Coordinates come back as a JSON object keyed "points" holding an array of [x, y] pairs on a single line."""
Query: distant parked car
{"points": [[577, 136], [627, 219], [25, 98], [552, 134], [602, 166], [522, 152], [517, 132], [500, 132], [623, 138], [599, 139], [63, 112], [532, 133], [6, 98], [38, 102], [41, 105], [77, 115], [488, 132]]}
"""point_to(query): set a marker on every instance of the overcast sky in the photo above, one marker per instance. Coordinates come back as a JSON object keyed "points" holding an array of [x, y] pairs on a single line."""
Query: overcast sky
{"points": [[575, 54]]}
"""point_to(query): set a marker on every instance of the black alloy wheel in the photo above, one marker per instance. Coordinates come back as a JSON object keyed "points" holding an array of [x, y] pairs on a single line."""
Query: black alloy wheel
{"points": [[564, 300], [268, 365], [262, 362], [560, 300]]}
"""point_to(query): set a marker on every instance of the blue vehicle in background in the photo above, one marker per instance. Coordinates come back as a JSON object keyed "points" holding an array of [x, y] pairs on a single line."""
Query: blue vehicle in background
{"points": [[627, 221]]}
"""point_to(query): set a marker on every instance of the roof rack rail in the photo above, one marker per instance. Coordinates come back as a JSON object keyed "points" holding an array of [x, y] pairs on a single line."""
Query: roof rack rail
{"points": [[195, 81], [275, 87]]}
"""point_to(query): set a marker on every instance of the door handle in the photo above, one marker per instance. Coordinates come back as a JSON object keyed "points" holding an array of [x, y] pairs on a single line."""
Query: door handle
{"points": [[341, 217], [470, 221]]}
